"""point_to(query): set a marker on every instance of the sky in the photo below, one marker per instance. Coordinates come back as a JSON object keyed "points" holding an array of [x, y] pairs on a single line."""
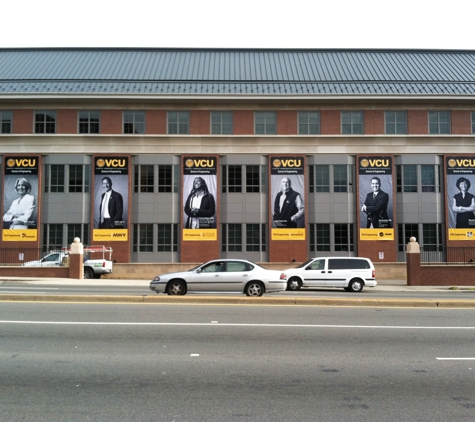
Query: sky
{"points": [[353, 24]]}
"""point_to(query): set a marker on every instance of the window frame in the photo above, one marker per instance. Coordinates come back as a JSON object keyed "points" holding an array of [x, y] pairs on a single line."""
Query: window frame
{"points": [[305, 115], [431, 114], [268, 127], [395, 122], [6, 121], [137, 125], [45, 124], [179, 123], [352, 124], [220, 124], [89, 123]]}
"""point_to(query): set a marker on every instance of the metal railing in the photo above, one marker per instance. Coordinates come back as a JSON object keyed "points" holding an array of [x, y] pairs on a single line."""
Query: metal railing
{"points": [[447, 255]]}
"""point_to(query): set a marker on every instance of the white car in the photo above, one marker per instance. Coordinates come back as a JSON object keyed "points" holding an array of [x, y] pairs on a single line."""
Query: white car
{"points": [[222, 275], [350, 273]]}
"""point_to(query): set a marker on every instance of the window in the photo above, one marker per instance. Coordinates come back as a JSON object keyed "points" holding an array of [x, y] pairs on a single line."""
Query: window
{"points": [[232, 178], [344, 238], [231, 238], [405, 232], [439, 122], [134, 122], [165, 178], [473, 122], [265, 123], [89, 121], [5, 121], [352, 123], [309, 122], [78, 230], [79, 179], [406, 178], [255, 237], [54, 179], [75, 176], [432, 237], [396, 122], [221, 122], [343, 178], [428, 178], [167, 238], [319, 176], [52, 237], [45, 121], [144, 178], [178, 122], [143, 238], [253, 182], [319, 237]]}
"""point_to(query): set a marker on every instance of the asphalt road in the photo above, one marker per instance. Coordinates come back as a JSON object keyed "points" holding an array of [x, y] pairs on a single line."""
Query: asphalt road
{"points": [[121, 290], [150, 362]]}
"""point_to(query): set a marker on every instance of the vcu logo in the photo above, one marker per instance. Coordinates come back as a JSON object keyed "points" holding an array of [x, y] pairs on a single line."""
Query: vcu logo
{"points": [[200, 162], [111, 162], [375, 162], [21, 162]]}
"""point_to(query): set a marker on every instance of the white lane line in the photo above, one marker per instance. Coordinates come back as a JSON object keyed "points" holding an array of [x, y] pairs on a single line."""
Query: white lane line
{"points": [[455, 358], [204, 324]]}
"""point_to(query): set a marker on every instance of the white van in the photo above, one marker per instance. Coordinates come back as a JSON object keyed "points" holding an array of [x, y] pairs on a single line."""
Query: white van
{"points": [[352, 274]]}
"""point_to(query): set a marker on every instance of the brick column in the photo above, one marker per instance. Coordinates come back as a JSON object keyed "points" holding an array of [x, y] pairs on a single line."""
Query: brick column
{"points": [[76, 267]]}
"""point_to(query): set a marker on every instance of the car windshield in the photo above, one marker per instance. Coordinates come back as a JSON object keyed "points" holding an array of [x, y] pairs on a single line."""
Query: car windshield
{"points": [[305, 263], [194, 268]]}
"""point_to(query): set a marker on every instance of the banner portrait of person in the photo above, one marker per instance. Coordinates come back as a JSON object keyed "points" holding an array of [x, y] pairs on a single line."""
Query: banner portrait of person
{"points": [[111, 201], [460, 190], [199, 198], [20, 199], [287, 197], [375, 181]]}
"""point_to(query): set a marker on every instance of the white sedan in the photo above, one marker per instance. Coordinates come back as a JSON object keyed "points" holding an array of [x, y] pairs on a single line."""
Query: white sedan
{"points": [[222, 275]]}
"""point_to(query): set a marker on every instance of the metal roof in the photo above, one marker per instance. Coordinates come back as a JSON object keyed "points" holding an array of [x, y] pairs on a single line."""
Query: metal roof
{"points": [[223, 72]]}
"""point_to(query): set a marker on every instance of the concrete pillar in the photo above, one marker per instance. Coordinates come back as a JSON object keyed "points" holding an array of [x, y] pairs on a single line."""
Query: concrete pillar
{"points": [[76, 266], [413, 262]]}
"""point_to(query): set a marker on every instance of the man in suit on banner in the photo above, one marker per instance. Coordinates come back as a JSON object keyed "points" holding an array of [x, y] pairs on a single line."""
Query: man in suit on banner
{"points": [[112, 207], [376, 207]]}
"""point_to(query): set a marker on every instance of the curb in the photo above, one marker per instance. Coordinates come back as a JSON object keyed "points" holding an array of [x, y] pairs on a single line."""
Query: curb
{"points": [[220, 300]]}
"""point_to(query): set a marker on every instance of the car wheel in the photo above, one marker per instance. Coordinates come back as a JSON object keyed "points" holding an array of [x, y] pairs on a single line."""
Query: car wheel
{"points": [[293, 284], [176, 288], [356, 285], [88, 273], [254, 288]]}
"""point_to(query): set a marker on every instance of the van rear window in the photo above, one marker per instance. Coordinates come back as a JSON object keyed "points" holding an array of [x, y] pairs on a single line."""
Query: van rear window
{"points": [[347, 264]]}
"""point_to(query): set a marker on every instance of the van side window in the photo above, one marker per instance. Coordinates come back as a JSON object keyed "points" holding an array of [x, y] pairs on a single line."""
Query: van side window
{"points": [[319, 264], [347, 264]]}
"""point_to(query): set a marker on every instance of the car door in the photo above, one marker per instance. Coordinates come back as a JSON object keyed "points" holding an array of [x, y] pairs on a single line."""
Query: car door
{"points": [[207, 278], [338, 272], [235, 276], [314, 273]]}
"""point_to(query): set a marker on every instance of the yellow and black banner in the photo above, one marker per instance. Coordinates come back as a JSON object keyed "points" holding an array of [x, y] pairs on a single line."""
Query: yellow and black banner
{"points": [[20, 199], [199, 198], [287, 197], [460, 179], [375, 179], [111, 198]]}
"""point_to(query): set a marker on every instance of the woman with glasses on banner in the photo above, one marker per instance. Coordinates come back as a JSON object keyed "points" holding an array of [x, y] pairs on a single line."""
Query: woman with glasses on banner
{"points": [[21, 209], [200, 206], [464, 205]]}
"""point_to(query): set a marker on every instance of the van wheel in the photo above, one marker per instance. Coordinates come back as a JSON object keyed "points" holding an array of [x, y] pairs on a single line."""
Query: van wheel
{"points": [[356, 285], [293, 284]]}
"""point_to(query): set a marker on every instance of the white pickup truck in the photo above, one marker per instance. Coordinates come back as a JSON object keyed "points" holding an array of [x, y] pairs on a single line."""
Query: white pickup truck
{"points": [[97, 260]]}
